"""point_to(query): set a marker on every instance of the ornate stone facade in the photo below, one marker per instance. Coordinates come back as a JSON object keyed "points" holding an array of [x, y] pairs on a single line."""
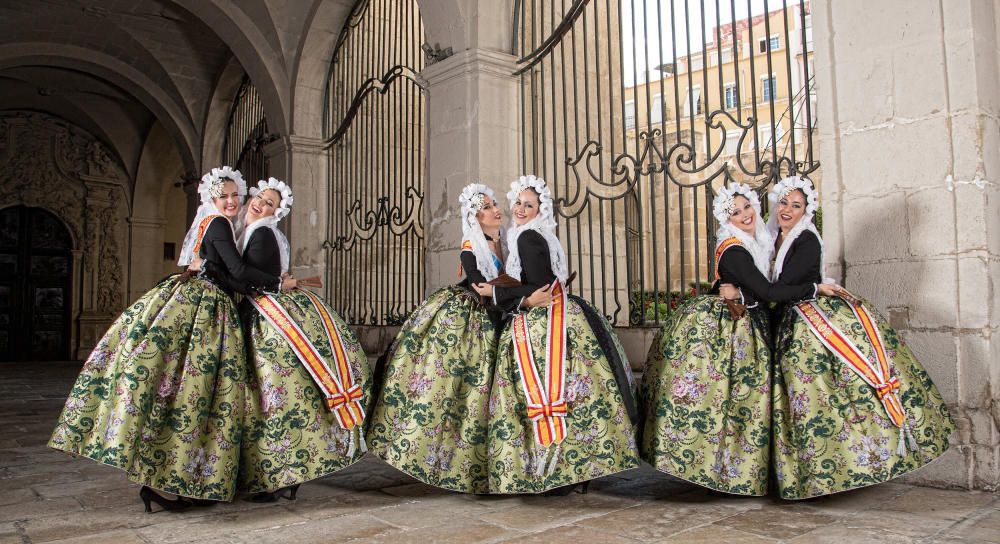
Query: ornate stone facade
{"points": [[48, 163]]}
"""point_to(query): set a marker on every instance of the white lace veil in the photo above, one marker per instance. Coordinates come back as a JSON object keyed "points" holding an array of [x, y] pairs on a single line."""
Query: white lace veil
{"points": [[761, 244], [271, 222], [471, 201], [209, 188], [779, 191], [544, 223]]}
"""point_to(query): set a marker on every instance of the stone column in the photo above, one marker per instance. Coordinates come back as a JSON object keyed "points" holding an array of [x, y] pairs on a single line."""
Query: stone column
{"points": [[302, 163], [473, 136], [104, 277], [910, 107], [146, 255]]}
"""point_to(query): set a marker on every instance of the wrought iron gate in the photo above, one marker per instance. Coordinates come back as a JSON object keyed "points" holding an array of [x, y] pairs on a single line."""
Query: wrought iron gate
{"points": [[634, 111], [374, 115], [246, 134]]}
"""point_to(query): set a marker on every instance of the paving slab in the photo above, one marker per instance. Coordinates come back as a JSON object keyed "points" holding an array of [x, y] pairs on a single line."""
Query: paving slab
{"points": [[48, 496]]}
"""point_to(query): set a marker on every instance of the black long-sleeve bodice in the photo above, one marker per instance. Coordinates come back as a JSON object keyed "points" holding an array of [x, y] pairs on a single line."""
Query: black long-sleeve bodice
{"points": [[263, 252], [736, 266], [472, 275], [802, 262], [471, 270], [226, 267], [536, 270]]}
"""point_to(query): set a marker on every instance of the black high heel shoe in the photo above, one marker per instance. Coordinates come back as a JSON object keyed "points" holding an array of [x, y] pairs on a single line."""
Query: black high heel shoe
{"points": [[567, 489], [149, 496], [273, 496]]}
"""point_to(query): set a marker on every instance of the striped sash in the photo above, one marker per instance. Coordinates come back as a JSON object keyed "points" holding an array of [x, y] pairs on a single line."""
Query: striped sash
{"points": [[343, 396], [874, 371], [546, 405], [202, 227], [466, 246], [721, 248]]}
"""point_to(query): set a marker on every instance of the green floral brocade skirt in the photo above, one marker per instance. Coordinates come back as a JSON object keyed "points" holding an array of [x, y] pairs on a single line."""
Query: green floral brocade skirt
{"points": [[290, 435], [600, 436], [831, 432], [706, 398], [162, 395], [430, 419]]}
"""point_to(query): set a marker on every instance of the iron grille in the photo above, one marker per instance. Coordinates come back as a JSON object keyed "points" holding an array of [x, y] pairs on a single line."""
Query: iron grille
{"points": [[246, 134], [374, 115], [635, 111]]}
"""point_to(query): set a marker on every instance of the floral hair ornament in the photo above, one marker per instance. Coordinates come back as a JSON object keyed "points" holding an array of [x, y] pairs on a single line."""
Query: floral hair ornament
{"points": [[474, 198], [538, 185], [211, 183], [791, 183], [724, 205], [282, 188]]}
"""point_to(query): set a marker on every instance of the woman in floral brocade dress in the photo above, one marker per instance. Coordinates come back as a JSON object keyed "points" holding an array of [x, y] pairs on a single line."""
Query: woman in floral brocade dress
{"points": [[562, 408], [852, 405], [306, 403], [706, 391], [162, 395], [430, 420]]}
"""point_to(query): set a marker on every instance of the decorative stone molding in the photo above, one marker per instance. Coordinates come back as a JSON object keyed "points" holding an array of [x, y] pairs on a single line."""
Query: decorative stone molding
{"points": [[48, 163]]}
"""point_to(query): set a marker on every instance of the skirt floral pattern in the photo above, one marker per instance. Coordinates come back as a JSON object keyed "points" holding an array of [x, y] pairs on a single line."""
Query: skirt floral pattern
{"points": [[600, 436], [831, 432], [706, 398], [162, 394], [430, 420], [290, 435]]}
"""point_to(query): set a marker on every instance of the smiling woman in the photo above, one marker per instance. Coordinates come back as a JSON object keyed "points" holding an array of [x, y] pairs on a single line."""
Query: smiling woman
{"points": [[705, 395], [431, 417], [562, 406], [173, 418]]}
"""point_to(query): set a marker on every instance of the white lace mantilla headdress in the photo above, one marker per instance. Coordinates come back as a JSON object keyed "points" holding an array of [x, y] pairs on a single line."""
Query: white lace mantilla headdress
{"points": [[473, 198], [761, 244], [271, 221], [544, 223], [779, 191], [209, 189]]}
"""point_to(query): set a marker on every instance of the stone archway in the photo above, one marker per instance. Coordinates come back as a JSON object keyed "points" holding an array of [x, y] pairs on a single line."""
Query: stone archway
{"points": [[48, 163]]}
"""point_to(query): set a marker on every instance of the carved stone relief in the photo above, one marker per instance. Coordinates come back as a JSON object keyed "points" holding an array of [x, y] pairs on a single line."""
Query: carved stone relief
{"points": [[48, 163]]}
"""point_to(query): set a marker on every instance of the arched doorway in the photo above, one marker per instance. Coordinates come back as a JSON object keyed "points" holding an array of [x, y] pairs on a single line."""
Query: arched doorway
{"points": [[36, 265]]}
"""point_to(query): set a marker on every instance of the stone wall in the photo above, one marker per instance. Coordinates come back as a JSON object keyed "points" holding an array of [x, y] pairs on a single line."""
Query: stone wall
{"points": [[909, 102]]}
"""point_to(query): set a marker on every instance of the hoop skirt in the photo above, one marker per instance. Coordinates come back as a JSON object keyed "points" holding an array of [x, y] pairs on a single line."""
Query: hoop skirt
{"points": [[430, 420], [162, 395], [831, 432], [290, 435]]}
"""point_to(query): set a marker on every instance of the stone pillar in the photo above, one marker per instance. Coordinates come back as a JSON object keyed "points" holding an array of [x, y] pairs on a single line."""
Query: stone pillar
{"points": [[910, 107], [473, 136], [472, 119], [145, 255], [302, 163], [104, 277]]}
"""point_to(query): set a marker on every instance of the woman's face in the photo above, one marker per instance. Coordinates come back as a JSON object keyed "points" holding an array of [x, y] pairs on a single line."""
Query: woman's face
{"points": [[525, 207], [229, 203], [262, 205], [489, 216], [791, 208], [744, 217]]}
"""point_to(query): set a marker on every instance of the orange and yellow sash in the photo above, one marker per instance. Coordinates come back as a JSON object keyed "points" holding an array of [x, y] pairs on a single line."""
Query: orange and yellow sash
{"points": [[343, 396], [546, 405], [726, 244], [466, 246], [202, 227], [875, 373]]}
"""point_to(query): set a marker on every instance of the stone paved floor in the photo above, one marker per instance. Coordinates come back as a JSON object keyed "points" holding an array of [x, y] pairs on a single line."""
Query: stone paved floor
{"points": [[47, 496]]}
